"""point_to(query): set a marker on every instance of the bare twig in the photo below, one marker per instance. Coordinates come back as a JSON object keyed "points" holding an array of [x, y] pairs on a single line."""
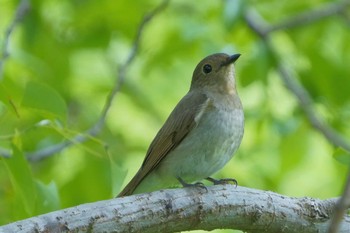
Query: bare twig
{"points": [[123, 68], [258, 25], [5, 153], [21, 11], [221, 206], [311, 16], [261, 28], [305, 103], [120, 78], [340, 208]]}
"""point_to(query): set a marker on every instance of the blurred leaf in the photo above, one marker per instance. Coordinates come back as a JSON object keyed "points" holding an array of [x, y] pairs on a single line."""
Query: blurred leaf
{"points": [[22, 180], [293, 147], [6, 99], [118, 176], [45, 99], [233, 10], [48, 198], [262, 62], [342, 156]]}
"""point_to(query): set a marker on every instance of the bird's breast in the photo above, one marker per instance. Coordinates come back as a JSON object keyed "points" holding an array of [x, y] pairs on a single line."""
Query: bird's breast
{"points": [[208, 147]]}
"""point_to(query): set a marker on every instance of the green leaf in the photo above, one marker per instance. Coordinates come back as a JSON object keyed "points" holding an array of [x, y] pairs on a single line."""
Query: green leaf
{"points": [[48, 198], [233, 10], [262, 62], [45, 99], [22, 180], [6, 99], [294, 144], [118, 176], [342, 156]]}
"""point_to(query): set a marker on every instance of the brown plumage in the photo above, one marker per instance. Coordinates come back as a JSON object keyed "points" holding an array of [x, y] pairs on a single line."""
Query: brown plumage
{"points": [[212, 96]]}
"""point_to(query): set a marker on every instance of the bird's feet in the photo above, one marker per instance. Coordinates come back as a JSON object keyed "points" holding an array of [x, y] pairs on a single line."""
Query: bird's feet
{"points": [[222, 181], [197, 184]]}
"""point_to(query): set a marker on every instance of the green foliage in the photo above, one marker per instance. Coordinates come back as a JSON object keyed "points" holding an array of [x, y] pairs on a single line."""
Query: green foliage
{"points": [[62, 65], [23, 183], [342, 156], [44, 99], [30, 196]]}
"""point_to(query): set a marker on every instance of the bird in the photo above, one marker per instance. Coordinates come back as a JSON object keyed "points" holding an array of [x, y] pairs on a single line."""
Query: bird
{"points": [[201, 134]]}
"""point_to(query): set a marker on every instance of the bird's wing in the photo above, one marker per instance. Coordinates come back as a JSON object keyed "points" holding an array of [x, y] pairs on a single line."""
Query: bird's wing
{"points": [[181, 121]]}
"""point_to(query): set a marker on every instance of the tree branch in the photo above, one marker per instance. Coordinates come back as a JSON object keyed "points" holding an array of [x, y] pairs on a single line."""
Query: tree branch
{"points": [[123, 68], [311, 16], [261, 28], [340, 208], [222, 206], [119, 81]]}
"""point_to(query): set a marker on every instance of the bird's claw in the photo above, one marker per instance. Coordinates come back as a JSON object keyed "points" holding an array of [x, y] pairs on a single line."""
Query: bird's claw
{"points": [[222, 181], [197, 184]]}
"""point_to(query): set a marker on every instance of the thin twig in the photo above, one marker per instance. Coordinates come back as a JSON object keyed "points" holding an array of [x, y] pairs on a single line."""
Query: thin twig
{"points": [[305, 103], [120, 78], [339, 211], [256, 23], [21, 11], [123, 68], [5, 153], [311, 16]]}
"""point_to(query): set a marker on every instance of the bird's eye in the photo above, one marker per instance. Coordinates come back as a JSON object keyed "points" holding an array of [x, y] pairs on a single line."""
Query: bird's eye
{"points": [[207, 68]]}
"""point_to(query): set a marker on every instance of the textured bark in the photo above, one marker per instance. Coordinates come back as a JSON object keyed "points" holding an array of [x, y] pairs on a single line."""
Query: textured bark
{"points": [[188, 209]]}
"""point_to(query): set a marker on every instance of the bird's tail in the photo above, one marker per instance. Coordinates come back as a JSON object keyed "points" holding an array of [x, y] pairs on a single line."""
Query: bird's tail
{"points": [[132, 185]]}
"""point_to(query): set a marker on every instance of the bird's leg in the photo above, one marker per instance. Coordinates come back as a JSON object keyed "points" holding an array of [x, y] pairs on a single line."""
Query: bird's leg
{"points": [[222, 181], [197, 184]]}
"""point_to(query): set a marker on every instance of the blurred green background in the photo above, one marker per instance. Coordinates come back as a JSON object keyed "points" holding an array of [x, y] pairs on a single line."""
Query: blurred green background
{"points": [[63, 62]]}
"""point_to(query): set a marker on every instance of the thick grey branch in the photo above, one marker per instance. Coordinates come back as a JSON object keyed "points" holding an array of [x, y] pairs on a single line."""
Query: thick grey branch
{"points": [[188, 209]]}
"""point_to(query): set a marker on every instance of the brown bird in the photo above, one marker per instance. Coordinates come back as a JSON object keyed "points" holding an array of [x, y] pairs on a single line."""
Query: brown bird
{"points": [[201, 134]]}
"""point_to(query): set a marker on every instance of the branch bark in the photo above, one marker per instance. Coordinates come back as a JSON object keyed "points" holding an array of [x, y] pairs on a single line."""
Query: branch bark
{"points": [[222, 206]]}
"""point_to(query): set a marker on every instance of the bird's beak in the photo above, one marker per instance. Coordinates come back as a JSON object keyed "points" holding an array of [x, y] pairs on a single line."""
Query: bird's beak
{"points": [[231, 59]]}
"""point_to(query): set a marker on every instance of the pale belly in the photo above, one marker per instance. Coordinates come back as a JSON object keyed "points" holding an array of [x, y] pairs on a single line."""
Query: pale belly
{"points": [[203, 152]]}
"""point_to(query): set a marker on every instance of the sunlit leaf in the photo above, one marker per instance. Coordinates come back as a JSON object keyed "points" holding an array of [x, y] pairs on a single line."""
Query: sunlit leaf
{"points": [[22, 180], [45, 99], [233, 11], [260, 63], [342, 156], [48, 197], [118, 175]]}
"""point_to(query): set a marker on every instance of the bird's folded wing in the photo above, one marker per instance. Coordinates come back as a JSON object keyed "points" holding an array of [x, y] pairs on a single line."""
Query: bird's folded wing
{"points": [[181, 121], [185, 117]]}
